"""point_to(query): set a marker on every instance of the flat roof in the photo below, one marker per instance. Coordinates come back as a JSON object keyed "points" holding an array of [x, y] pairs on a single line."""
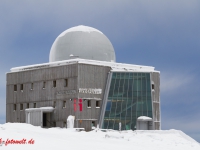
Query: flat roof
{"points": [[115, 67], [44, 109]]}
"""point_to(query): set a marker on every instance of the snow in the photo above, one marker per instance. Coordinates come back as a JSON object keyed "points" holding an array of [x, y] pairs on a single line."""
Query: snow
{"points": [[70, 121], [144, 118], [41, 108], [115, 66], [62, 138], [81, 28]]}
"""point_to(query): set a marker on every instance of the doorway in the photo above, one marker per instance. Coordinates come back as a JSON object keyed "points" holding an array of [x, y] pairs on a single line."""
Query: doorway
{"points": [[46, 120]]}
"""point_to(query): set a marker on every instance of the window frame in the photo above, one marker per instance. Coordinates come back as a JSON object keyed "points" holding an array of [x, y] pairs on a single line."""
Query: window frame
{"points": [[88, 103], [54, 83], [15, 87], [66, 82], [21, 87], [32, 86], [21, 107], [44, 85], [14, 107], [64, 104], [97, 104]]}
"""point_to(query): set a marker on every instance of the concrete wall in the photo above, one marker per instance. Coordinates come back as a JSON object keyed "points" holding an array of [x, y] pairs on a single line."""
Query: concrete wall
{"points": [[35, 118], [78, 75], [155, 78]]}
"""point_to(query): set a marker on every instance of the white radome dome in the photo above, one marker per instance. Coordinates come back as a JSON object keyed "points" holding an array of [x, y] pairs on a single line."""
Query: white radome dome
{"points": [[82, 42]]}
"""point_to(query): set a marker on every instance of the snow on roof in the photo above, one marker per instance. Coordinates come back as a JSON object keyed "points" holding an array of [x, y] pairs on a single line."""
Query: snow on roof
{"points": [[121, 67], [49, 109], [144, 118], [80, 28]]}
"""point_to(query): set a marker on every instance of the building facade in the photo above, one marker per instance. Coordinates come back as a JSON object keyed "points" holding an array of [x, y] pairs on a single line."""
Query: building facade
{"points": [[95, 92]]}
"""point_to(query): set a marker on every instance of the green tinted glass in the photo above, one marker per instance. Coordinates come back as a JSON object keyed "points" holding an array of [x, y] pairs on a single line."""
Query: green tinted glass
{"points": [[129, 97]]}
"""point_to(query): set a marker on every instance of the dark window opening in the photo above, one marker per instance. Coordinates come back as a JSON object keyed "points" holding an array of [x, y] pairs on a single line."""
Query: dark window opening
{"points": [[64, 124], [44, 119], [21, 87], [153, 86], [93, 123], [31, 86], [64, 104], [66, 82], [54, 83], [44, 85], [89, 103], [27, 106], [14, 107], [21, 106], [15, 87], [54, 104], [97, 103], [34, 105]]}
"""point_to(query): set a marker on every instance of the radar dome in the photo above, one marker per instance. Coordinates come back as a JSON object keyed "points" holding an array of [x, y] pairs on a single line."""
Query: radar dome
{"points": [[82, 42]]}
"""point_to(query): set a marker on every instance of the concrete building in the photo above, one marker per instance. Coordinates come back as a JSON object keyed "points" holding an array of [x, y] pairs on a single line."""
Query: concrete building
{"points": [[82, 79]]}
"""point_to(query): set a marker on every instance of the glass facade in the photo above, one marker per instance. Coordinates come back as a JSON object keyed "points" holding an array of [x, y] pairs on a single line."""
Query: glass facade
{"points": [[129, 97]]}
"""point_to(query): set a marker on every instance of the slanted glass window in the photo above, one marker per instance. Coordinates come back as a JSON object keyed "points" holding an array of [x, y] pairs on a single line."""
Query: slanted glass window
{"points": [[66, 82], [54, 83], [15, 87], [89, 103], [129, 97]]}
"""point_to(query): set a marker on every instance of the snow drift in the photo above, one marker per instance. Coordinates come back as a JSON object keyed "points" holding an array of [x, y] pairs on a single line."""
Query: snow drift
{"points": [[25, 136]]}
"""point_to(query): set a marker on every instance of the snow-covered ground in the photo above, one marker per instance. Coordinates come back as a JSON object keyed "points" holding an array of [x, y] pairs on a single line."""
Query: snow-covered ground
{"points": [[32, 137]]}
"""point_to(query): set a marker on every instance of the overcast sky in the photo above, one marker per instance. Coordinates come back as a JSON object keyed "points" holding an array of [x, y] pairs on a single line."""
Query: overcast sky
{"points": [[163, 34]]}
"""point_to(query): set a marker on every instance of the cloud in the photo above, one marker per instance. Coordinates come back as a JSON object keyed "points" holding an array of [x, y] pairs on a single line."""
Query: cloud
{"points": [[2, 106], [174, 81], [188, 123]]}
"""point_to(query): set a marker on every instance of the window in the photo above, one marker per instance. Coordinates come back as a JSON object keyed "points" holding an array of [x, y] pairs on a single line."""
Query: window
{"points": [[21, 106], [89, 103], [66, 82], [14, 107], [44, 85], [64, 124], [27, 105], [31, 86], [93, 124], [21, 87], [15, 87], [64, 104], [97, 104], [152, 86], [34, 105], [54, 104], [54, 83]]}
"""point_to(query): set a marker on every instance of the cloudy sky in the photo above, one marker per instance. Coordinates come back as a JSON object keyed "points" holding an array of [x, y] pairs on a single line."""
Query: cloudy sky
{"points": [[163, 34]]}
